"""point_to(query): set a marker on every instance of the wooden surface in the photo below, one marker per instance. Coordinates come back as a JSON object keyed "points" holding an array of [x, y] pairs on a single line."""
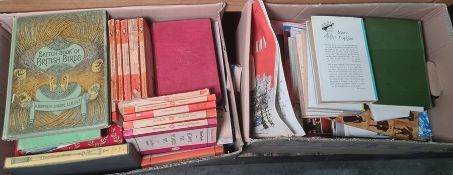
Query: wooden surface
{"points": [[8, 6]]}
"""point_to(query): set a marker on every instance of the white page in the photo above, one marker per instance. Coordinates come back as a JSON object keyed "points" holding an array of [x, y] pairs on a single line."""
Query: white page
{"points": [[342, 60], [387, 112], [343, 130], [284, 103], [312, 98]]}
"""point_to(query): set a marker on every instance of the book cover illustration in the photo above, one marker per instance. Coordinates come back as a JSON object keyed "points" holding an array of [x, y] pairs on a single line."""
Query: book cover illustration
{"points": [[403, 128], [265, 54], [58, 75]]}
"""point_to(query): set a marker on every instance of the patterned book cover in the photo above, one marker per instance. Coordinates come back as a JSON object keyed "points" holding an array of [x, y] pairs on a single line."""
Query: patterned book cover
{"points": [[111, 136], [126, 62], [134, 58], [57, 75], [404, 128]]}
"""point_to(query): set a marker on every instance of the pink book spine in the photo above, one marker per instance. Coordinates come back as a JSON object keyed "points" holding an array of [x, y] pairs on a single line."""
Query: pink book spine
{"points": [[126, 61], [168, 128], [175, 141], [141, 108], [170, 119], [119, 56], [128, 107], [134, 58], [170, 111], [143, 56]]}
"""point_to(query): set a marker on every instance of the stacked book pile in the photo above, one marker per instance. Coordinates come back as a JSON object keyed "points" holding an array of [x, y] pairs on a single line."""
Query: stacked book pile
{"points": [[131, 67], [340, 76], [99, 92], [178, 122]]}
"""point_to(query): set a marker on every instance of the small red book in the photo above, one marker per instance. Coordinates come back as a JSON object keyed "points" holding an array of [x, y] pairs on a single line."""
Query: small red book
{"points": [[185, 57]]}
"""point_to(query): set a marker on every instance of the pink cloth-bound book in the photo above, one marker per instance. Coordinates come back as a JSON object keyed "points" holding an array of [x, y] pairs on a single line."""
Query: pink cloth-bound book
{"points": [[185, 57]]}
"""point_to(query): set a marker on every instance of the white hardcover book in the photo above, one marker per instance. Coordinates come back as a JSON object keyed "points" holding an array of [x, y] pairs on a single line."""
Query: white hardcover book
{"points": [[341, 62]]}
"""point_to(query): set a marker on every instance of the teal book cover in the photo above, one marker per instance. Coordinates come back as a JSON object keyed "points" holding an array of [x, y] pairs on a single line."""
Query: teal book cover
{"points": [[57, 80], [398, 59]]}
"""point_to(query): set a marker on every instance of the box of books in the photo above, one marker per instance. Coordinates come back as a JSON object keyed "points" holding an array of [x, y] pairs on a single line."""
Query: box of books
{"points": [[116, 89], [344, 78]]}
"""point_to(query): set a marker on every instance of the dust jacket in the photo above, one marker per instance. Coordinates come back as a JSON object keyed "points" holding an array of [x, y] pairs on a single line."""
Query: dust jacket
{"points": [[57, 79]]}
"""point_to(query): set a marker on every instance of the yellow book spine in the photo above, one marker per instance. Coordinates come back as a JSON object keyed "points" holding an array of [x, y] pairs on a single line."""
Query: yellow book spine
{"points": [[66, 157]]}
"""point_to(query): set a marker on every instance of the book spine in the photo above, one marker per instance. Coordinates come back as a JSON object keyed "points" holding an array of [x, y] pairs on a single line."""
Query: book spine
{"points": [[168, 128], [125, 107], [170, 119], [66, 156], [126, 61], [113, 68], [119, 56], [174, 141], [142, 56], [168, 104], [114, 136], [158, 159], [170, 111], [134, 58]]}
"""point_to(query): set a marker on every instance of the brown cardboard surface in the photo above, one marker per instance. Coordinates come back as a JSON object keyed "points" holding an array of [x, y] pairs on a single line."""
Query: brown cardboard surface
{"points": [[439, 47], [242, 56], [150, 13]]}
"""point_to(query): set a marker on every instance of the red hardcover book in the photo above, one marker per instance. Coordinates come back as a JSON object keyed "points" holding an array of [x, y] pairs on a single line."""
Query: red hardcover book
{"points": [[185, 59], [126, 63]]}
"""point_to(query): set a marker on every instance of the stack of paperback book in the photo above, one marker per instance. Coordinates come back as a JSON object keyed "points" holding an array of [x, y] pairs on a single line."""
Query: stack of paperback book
{"points": [[131, 72], [178, 122]]}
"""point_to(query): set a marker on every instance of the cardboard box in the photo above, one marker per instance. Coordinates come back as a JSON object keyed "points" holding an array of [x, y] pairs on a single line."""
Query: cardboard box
{"points": [[439, 48], [151, 14]]}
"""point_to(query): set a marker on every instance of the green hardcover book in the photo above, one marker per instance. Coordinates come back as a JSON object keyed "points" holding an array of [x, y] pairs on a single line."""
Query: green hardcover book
{"points": [[398, 58], [57, 79], [35, 144]]}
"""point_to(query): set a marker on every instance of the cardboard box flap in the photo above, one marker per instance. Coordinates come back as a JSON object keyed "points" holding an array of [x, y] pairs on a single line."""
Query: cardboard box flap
{"points": [[154, 13], [243, 34], [433, 77]]}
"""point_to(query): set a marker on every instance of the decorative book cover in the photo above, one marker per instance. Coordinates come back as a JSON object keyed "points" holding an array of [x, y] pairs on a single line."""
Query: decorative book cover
{"points": [[185, 60], [136, 91], [111, 136], [404, 128], [57, 75]]}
